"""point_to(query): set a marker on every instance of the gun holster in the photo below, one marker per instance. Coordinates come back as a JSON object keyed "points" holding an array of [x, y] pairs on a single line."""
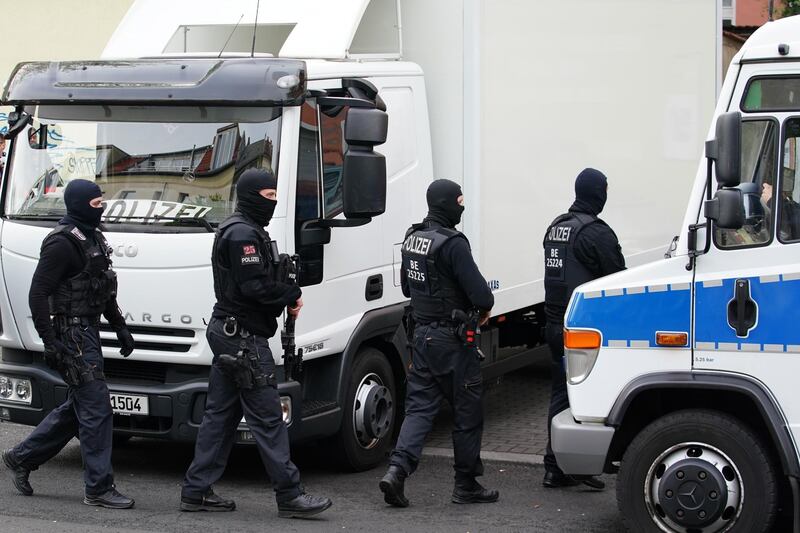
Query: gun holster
{"points": [[468, 329]]}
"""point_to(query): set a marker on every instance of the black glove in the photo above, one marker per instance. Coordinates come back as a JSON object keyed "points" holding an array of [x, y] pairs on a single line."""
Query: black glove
{"points": [[53, 352], [126, 342]]}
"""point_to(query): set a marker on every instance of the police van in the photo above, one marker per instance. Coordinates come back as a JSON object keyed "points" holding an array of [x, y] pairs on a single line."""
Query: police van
{"points": [[682, 373], [190, 93]]}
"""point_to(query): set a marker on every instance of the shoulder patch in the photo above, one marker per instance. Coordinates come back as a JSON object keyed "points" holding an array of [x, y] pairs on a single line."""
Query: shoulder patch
{"points": [[78, 233]]}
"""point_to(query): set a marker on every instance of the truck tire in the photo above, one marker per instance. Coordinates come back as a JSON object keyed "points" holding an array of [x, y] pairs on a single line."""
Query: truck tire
{"points": [[699, 471], [369, 407]]}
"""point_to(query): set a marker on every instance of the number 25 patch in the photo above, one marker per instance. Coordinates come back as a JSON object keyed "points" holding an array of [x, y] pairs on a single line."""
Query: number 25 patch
{"points": [[249, 249]]}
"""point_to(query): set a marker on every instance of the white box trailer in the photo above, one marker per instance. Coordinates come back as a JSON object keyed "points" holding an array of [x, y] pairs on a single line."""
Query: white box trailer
{"points": [[509, 98]]}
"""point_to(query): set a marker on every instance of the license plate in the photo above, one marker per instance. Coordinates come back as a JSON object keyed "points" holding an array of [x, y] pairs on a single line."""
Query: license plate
{"points": [[125, 404]]}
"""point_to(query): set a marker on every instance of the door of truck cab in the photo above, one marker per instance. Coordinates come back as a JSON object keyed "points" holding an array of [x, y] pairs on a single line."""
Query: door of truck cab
{"points": [[747, 288]]}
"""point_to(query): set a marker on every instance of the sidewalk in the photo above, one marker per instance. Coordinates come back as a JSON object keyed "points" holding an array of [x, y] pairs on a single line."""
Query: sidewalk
{"points": [[515, 424]]}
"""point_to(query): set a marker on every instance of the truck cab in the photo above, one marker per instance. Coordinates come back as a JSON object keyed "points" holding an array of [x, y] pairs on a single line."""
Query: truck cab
{"points": [[681, 373]]}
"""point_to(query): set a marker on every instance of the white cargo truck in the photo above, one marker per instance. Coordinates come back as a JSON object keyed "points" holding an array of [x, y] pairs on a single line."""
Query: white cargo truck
{"points": [[682, 373], [516, 98]]}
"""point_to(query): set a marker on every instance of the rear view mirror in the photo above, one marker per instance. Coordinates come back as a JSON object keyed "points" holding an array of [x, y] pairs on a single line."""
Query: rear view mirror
{"points": [[726, 209], [726, 149], [364, 170], [37, 136]]}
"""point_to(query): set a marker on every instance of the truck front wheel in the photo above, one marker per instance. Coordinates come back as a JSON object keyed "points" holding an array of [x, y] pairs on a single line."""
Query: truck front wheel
{"points": [[369, 411], [700, 471]]}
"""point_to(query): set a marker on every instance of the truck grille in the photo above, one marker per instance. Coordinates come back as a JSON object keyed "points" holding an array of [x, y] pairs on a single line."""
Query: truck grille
{"points": [[179, 339], [117, 369]]}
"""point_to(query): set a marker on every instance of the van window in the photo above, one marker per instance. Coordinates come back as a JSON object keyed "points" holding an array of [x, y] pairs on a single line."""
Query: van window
{"points": [[772, 94], [789, 197], [759, 162]]}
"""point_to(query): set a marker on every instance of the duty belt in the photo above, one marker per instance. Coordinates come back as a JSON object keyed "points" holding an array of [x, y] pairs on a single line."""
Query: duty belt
{"points": [[231, 327], [66, 321], [439, 324]]}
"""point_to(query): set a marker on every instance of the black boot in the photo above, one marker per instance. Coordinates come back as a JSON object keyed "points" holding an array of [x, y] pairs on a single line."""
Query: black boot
{"points": [[556, 480], [473, 492], [303, 506], [110, 499], [208, 502], [392, 486], [21, 474]]}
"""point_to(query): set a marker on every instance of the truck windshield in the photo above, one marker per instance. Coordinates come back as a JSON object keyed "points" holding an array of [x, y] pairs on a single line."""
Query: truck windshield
{"points": [[157, 167]]}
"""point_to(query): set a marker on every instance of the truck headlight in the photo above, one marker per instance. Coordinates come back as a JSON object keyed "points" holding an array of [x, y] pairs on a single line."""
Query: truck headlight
{"points": [[6, 387], [581, 347], [13, 389], [286, 407]]}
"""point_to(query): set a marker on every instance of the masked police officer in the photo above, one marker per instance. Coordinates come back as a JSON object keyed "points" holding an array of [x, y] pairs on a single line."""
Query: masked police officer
{"points": [[578, 247], [242, 379], [440, 276], [74, 283]]}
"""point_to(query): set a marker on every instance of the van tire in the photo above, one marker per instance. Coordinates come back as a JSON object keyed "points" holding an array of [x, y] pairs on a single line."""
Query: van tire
{"points": [[676, 448], [370, 381]]}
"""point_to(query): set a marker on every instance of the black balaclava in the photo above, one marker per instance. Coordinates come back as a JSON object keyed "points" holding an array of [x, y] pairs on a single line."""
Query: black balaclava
{"points": [[249, 202], [591, 191], [443, 204], [77, 195]]}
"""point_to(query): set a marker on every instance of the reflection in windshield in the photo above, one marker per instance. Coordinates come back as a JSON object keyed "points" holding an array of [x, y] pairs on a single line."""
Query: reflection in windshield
{"points": [[147, 170]]}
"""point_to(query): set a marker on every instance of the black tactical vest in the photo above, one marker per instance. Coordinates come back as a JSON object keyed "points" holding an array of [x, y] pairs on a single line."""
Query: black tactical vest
{"points": [[562, 271], [88, 292], [434, 294], [227, 293]]}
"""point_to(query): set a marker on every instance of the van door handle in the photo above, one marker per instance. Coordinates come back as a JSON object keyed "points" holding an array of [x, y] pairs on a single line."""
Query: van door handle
{"points": [[374, 288], [742, 309]]}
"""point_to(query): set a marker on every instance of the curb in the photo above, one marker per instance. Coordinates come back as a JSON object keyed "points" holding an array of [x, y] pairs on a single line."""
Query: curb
{"points": [[504, 457]]}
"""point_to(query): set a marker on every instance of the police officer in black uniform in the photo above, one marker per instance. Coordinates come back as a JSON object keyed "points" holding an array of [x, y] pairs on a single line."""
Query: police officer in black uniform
{"points": [[74, 283], [578, 247], [242, 379], [440, 276]]}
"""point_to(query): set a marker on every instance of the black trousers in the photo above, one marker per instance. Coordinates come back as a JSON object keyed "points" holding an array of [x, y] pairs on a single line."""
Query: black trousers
{"points": [[225, 405], [443, 369], [559, 400], [85, 414]]}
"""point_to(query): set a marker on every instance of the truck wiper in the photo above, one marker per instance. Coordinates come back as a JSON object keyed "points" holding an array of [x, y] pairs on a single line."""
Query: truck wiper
{"points": [[42, 216], [155, 218]]}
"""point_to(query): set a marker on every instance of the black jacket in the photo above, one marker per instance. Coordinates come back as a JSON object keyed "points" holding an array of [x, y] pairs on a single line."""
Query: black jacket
{"points": [[244, 280], [60, 259]]}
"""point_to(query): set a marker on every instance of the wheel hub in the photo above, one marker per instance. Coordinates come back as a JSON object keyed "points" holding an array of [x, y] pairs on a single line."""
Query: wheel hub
{"points": [[373, 411], [694, 486], [693, 493]]}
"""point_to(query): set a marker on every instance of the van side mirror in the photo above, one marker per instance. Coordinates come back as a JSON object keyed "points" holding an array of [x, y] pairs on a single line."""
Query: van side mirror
{"points": [[726, 209], [726, 149], [364, 170]]}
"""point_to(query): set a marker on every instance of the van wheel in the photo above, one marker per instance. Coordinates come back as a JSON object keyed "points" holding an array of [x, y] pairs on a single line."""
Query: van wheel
{"points": [[697, 471], [369, 412]]}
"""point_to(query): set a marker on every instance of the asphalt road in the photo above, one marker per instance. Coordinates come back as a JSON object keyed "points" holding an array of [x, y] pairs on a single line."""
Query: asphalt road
{"points": [[151, 472]]}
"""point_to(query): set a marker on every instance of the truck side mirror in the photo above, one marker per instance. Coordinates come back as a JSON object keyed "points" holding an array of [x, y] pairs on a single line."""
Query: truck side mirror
{"points": [[726, 209], [364, 170], [726, 149]]}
